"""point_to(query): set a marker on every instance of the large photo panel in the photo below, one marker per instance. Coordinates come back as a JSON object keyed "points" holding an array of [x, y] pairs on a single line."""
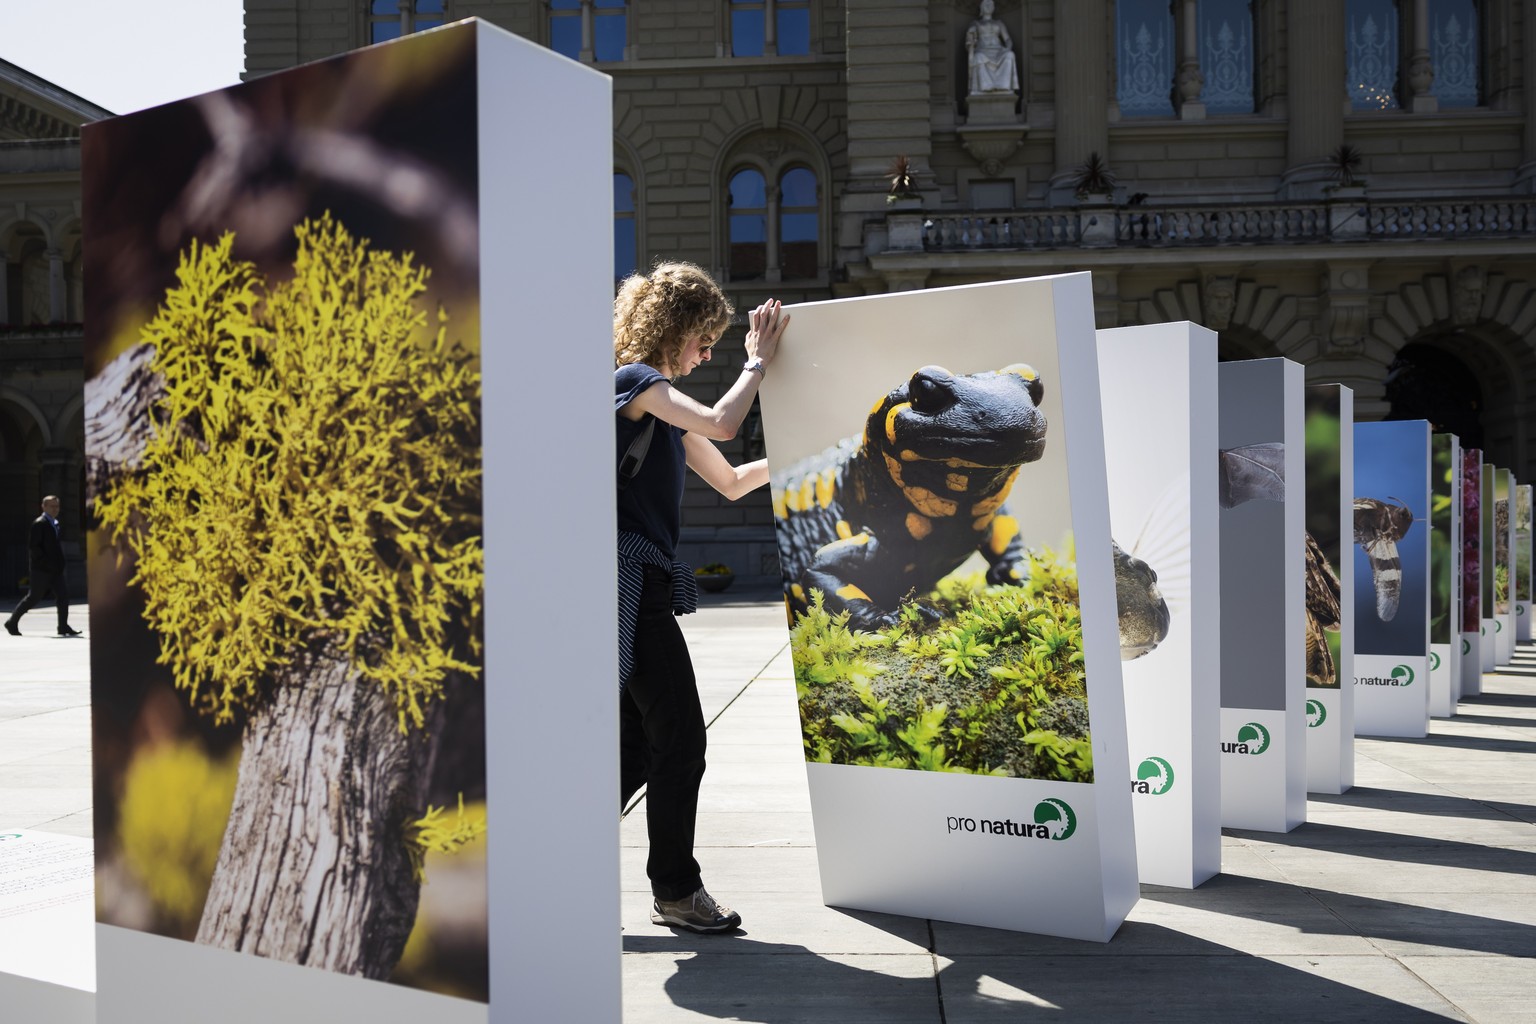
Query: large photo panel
{"points": [[288, 546], [1330, 614], [1522, 562], [1444, 575], [1490, 573], [1471, 679], [939, 496], [1504, 566], [1163, 507], [1262, 526], [1391, 553]]}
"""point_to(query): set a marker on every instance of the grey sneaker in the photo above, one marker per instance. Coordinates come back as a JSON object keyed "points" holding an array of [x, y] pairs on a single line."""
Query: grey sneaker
{"points": [[698, 913]]}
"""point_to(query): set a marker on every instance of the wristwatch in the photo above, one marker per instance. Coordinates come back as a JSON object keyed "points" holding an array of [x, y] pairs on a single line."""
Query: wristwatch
{"points": [[756, 366]]}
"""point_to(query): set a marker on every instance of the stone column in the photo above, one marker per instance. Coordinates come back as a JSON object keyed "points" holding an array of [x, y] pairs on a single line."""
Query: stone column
{"points": [[1316, 100], [1421, 71], [587, 55], [888, 111], [1525, 178], [770, 30], [1082, 91], [1190, 81], [57, 295]]}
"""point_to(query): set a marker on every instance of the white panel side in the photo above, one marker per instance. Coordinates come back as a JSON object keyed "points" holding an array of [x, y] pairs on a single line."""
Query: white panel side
{"points": [[1347, 585], [1083, 414], [547, 293], [1295, 737]]}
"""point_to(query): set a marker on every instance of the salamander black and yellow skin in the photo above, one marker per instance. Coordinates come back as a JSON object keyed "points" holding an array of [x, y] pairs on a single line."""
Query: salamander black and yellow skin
{"points": [[884, 516]]}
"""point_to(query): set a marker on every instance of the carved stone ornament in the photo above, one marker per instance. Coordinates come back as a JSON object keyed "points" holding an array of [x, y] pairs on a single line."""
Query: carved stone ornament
{"points": [[1218, 298], [1471, 286]]}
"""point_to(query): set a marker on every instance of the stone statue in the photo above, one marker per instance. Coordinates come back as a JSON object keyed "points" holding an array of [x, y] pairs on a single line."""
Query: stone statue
{"points": [[990, 53]]}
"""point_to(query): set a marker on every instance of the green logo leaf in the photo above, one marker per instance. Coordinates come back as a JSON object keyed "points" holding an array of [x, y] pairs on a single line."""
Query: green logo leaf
{"points": [[1317, 714], [1434, 661], [1466, 646], [1158, 772], [1256, 736], [1403, 673]]}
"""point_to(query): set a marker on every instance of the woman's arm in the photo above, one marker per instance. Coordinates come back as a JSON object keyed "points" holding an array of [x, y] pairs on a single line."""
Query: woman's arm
{"points": [[720, 421], [732, 481]]}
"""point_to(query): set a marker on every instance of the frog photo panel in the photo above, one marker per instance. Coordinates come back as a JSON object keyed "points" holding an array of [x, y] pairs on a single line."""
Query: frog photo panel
{"points": [[1391, 554], [1491, 624], [1471, 678], [1504, 566], [937, 475], [1262, 524], [1162, 510], [1522, 563], [1330, 582], [1444, 575], [315, 592]]}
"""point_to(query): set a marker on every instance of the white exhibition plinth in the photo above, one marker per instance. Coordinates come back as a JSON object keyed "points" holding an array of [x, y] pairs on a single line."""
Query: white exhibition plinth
{"points": [[1330, 710], [1263, 563], [544, 309], [1392, 676], [1163, 510], [966, 839], [47, 922]]}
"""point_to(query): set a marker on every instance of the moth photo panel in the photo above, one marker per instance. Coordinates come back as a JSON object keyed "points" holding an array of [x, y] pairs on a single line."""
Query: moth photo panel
{"points": [[938, 491]]}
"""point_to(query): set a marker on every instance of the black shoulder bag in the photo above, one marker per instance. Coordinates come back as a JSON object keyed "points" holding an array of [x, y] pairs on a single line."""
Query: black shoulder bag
{"points": [[629, 465]]}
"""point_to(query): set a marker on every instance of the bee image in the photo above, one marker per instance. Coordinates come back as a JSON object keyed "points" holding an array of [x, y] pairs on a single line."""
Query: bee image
{"points": [[1378, 528]]}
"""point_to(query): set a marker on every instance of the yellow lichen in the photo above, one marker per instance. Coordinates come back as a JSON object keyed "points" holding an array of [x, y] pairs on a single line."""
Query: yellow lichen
{"points": [[435, 832], [313, 483]]}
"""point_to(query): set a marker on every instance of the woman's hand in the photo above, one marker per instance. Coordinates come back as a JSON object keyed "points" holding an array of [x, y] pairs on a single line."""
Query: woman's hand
{"points": [[767, 326]]}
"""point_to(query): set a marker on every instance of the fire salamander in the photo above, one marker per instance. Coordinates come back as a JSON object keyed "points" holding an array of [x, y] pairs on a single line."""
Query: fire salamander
{"points": [[878, 518]]}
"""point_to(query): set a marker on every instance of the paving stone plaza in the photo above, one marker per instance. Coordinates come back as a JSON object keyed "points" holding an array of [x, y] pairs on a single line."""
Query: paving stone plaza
{"points": [[1410, 898]]}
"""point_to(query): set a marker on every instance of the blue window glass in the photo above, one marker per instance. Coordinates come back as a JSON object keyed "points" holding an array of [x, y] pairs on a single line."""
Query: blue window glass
{"points": [[794, 27], [624, 240], [429, 14], [565, 27], [748, 226], [608, 30], [799, 224], [1226, 56], [381, 31], [384, 20], [1144, 58], [798, 188], [1370, 54], [386, 6], [748, 36], [1453, 49]]}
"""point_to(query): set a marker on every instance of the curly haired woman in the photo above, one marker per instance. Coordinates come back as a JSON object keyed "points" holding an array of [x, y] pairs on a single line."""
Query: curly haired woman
{"points": [[665, 325]]}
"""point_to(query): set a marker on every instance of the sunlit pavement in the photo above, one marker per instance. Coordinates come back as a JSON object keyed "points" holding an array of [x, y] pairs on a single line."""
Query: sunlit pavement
{"points": [[1410, 898]]}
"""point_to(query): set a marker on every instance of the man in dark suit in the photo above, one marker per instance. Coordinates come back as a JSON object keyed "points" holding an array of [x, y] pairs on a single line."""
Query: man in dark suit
{"points": [[45, 566]]}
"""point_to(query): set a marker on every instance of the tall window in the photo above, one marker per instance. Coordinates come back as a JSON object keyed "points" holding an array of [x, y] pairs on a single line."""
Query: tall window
{"points": [[1144, 55], [625, 240], [1453, 48], [1226, 56], [596, 27], [391, 19], [799, 224], [774, 223], [1371, 53], [748, 226], [771, 27]]}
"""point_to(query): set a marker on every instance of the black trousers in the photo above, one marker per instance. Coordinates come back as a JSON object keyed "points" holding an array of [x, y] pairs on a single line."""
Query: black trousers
{"points": [[40, 584], [661, 741]]}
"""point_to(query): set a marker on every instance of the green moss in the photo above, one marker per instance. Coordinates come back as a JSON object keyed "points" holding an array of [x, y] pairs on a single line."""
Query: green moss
{"points": [[995, 686]]}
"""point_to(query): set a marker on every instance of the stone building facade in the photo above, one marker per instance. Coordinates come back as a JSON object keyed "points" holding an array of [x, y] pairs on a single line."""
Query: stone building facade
{"points": [[1349, 183], [41, 428]]}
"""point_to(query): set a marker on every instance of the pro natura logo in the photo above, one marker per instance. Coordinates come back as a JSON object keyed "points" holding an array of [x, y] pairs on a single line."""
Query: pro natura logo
{"points": [[1498, 625], [1054, 819], [1252, 738], [1401, 675], [1317, 714], [1434, 661], [1154, 776], [1466, 646]]}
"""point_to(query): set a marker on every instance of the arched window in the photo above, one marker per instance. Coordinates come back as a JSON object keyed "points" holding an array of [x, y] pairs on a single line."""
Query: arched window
{"points": [[748, 227], [799, 223], [1144, 57], [770, 28], [391, 19], [626, 240], [589, 30], [1371, 54]]}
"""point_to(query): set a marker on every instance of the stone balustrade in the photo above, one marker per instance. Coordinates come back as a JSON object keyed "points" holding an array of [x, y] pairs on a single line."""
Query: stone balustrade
{"points": [[1338, 219]]}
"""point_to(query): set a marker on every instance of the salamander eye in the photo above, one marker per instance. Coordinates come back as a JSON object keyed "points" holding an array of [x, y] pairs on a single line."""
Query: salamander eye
{"points": [[931, 390]]}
